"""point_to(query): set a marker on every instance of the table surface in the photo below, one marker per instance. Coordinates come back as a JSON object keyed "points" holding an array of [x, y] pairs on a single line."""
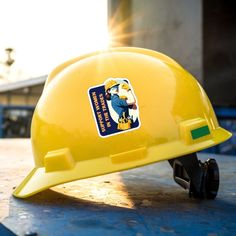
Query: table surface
{"points": [[142, 201]]}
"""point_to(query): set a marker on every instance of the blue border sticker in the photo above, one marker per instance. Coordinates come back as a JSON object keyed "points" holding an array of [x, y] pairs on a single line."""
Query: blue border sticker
{"points": [[114, 106]]}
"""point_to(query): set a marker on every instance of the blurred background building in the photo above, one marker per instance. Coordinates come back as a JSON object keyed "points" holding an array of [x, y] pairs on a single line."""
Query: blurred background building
{"points": [[200, 35]]}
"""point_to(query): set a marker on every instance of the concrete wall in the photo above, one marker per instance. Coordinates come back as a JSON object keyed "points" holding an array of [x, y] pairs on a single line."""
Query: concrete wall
{"points": [[173, 27]]}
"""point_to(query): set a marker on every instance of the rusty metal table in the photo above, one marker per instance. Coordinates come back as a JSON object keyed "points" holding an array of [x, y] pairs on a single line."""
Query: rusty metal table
{"points": [[142, 201]]}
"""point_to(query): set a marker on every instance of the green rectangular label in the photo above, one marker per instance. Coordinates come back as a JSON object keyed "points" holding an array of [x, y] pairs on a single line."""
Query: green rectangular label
{"points": [[200, 132]]}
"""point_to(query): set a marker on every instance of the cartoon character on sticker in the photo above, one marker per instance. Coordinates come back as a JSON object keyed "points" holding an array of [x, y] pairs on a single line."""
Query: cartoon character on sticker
{"points": [[115, 106], [121, 102]]}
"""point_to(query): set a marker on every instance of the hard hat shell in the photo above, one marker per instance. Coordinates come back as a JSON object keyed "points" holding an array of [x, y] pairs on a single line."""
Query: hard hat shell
{"points": [[174, 118], [110, 83]]}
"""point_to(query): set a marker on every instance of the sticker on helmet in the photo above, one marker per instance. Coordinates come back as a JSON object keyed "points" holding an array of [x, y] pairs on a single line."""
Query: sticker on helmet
{"points": [[115, 107]]}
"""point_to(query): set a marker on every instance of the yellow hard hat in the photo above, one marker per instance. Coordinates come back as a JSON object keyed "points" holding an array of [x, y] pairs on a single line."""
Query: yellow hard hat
{"points": [[74, 128], [110, 83]]}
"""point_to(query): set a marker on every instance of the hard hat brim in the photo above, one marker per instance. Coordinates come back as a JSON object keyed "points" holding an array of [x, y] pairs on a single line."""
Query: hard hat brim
{"points": [[39, 180]]}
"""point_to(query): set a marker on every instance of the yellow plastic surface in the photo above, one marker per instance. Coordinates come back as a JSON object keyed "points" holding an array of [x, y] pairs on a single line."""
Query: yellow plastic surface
{"points": [[65, 140], [57, 160], [187, 126]]}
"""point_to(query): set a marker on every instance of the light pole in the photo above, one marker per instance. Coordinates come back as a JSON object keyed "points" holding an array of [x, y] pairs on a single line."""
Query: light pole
{"points": [[7, 63]]}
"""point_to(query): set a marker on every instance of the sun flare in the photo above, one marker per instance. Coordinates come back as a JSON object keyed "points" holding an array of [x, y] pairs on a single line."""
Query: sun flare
{"points": [[45, 33]]}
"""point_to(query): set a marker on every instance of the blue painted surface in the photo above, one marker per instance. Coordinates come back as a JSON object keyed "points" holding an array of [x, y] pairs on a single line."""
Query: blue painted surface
{"points": [[4, 231], [225, 112], [160, 206], [227, 119]]}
